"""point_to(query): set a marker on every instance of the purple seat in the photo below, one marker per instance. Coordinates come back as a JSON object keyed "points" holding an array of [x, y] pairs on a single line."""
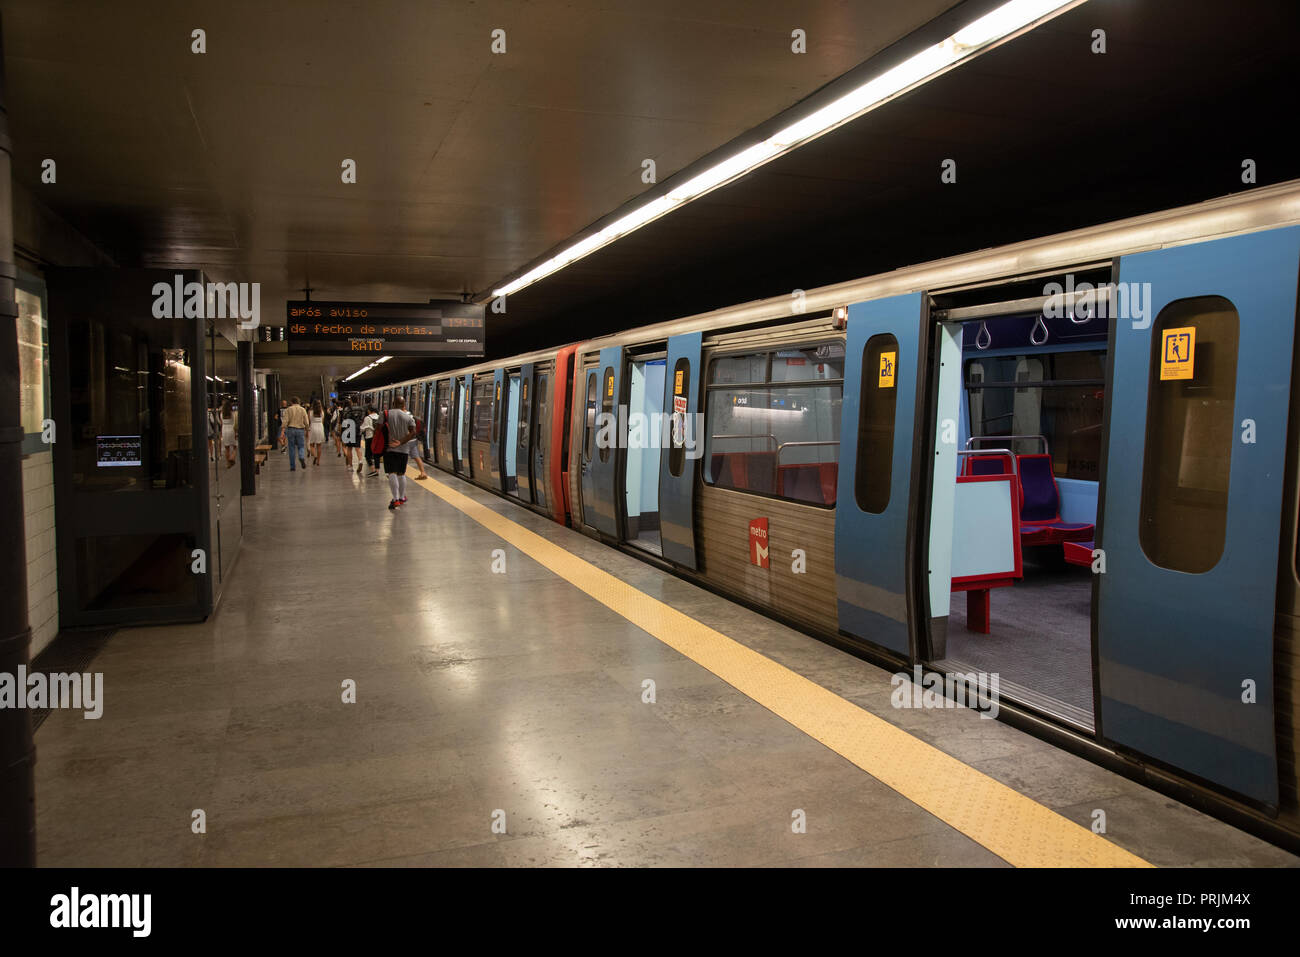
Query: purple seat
{"points": [[1040, 505]]}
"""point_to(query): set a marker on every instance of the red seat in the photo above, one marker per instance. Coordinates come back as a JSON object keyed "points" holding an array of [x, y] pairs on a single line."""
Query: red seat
{"points": [[745, 471], [1079, 553], [813, 482], [986, 465]]}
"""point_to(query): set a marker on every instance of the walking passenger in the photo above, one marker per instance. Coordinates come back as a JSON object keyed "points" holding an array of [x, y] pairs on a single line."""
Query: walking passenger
{"points": [[420, 448], [350, 433], [284, 407], [229, 432], [295, 431], [317, 437], [368, 426], [336, 423], [401, 446]]}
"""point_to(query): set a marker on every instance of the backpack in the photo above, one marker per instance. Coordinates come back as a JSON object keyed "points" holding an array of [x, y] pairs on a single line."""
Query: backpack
{"points": [[379, 443]]}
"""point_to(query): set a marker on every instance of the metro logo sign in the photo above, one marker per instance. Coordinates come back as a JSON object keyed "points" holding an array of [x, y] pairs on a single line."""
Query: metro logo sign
{"points": [[758, 546]]}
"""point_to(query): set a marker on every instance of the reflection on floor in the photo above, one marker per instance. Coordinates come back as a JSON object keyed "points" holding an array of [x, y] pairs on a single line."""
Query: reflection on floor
{"points": [[1040, 634]]}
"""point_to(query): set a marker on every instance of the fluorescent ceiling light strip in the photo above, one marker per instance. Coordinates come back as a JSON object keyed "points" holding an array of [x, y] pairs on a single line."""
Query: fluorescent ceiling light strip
{"points": [[996, 25], [380, 361]]}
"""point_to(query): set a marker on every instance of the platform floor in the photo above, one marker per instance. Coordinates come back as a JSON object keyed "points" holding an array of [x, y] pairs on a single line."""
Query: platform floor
{"points": [[520, 696]]}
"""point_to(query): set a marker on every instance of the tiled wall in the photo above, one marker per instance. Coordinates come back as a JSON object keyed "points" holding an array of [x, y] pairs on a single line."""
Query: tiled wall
{"points": [[42, 566]]}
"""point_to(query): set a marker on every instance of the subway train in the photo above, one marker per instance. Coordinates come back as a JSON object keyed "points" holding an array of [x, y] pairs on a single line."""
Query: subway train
{"points": [[1070, 462]]}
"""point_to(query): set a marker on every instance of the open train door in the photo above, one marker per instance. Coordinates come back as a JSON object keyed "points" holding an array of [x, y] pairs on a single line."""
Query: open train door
{"points": [[524, 421], [873, 516], [601, 485], [677, 466], [1192, 502]]}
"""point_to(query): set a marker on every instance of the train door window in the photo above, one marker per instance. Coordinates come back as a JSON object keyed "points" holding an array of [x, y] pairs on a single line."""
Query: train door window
{"points": [[681, 384], [876, 424], [462, 426], [591, 415], [496, 411], [511, 453], [607, 409], [441, 420], [443, 413], [773, 422], [480, 429], [541, 439], [1191, 390]]}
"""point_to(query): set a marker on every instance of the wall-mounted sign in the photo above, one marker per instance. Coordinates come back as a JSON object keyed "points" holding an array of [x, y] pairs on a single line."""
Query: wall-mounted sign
{"points": [[887, 369], [439, 328], [758, 547], [1178, 353], [118, 451]]}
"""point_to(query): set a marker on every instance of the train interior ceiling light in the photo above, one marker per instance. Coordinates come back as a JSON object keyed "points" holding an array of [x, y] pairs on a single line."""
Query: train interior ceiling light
{"points": [[995, 26]]}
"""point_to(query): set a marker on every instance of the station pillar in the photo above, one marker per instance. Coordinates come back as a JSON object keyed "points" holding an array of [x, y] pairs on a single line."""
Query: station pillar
{"points": [[17, 747]]}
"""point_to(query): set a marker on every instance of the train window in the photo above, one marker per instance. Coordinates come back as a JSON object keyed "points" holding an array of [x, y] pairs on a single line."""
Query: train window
{"points": [[773, 422], [607, 407], [1191, 388], [1058, 395], [875, 466], [681, 388], [591, 414], [443, 407], [480, 427]]}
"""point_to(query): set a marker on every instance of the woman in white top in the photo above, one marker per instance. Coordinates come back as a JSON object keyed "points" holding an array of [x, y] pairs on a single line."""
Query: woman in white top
{"points": [[316, 434], [229, 431]]}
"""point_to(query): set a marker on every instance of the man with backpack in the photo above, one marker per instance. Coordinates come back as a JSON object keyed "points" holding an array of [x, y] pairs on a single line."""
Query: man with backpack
{"points": [[350, 433], [399, 427], [369, 426]]}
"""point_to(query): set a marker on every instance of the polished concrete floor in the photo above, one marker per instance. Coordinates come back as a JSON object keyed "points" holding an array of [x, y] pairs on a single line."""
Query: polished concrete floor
{"points": [[485, 696]]}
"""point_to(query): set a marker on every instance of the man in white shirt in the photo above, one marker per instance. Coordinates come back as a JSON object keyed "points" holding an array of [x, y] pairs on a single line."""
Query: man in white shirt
{"points": [[401, 446], [368, 425]]}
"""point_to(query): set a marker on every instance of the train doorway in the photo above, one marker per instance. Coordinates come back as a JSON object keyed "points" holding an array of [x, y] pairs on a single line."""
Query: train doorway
{"points": [[510, 479], [643, 438], [1020, 409]]}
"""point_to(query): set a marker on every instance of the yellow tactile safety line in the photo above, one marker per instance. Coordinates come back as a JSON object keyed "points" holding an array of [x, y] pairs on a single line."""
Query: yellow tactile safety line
{"points": [[1014, 827]]}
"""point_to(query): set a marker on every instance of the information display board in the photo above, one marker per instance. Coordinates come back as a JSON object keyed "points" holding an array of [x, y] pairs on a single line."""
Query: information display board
{"points": [[118, 451], [437, 328]]}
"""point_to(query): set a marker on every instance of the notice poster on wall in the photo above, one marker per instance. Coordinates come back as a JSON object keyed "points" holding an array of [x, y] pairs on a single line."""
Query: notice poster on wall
{"points": [[118, 451]]}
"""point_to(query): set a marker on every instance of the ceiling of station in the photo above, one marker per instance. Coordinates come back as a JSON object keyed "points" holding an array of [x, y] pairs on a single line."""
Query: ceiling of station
{"points": [[471, 164]]}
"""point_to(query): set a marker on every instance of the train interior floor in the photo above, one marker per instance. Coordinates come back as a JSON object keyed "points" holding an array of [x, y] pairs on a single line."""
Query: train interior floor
{"points": [[504, 719], [1040, 637]]}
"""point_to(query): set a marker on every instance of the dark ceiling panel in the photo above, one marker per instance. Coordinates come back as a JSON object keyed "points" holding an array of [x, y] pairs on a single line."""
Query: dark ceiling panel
{"points": [[470, 165]]}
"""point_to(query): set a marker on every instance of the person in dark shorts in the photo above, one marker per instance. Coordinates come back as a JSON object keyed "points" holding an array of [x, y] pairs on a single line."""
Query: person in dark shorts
{"points": [[350, 433], [402, 445], [368, 425]]}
